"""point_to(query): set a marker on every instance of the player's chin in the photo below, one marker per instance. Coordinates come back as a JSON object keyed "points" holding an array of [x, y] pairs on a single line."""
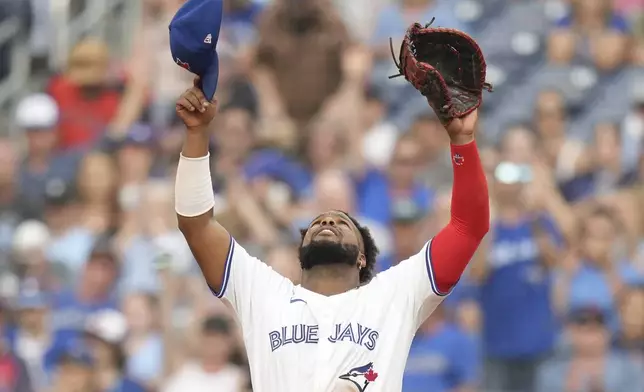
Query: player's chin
{"points": [[327, 252]]}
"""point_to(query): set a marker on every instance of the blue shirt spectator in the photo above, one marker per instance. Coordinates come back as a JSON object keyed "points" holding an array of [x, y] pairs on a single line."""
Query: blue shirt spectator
{"points": [[442, 358], [94, 292], [145, 364], [516, 296], [376, 200], [589, 344]]}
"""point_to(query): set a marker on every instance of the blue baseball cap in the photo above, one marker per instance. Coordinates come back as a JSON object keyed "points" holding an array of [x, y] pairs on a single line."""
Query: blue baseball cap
{"points": [[74, 350], [31, 299], [194, 32]]}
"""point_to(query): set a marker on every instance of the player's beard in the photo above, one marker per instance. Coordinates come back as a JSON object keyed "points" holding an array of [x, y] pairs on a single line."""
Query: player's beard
{"points": [[320, 253]]}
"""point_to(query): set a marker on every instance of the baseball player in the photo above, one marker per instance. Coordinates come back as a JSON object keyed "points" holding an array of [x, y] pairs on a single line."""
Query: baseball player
{"points": [[342, 329]]}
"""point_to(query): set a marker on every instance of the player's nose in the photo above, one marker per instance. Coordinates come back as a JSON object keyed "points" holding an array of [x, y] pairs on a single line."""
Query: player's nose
{"points": [[328, 221]]}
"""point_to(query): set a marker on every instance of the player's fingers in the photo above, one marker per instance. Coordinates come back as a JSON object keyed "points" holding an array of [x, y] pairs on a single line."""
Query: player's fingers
{"points": [[192, 98], [195, 95], [201, 97], [184, 104]]}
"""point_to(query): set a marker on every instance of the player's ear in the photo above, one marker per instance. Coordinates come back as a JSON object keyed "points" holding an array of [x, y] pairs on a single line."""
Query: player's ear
{"points": [[362, 261]]}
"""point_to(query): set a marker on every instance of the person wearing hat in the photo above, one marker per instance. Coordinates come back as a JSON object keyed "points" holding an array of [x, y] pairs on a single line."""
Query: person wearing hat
{"points": [[92, 99], [590, 365], [37, 117], [70, 242], [105, 333], [92, 291], [135, 159], [32, 335], [73, 369]]}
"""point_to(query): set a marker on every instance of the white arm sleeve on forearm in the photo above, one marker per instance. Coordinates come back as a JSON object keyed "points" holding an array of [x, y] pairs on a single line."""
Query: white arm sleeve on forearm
{"points": [[193, 189]]}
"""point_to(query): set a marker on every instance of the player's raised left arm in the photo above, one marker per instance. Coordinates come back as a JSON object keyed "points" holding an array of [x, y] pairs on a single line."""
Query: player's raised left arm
{"points": [[423, 280], [453, 247]]}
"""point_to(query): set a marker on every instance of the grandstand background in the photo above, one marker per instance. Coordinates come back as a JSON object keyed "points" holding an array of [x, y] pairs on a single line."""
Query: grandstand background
{"points": [[554, 301]]}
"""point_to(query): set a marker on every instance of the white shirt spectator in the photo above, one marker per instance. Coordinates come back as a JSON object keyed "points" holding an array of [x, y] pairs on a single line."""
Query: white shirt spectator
{"points": [[192, 377]]}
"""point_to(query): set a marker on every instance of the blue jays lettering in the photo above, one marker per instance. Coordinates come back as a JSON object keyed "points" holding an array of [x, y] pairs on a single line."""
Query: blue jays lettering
{"points": [[308, 334]]}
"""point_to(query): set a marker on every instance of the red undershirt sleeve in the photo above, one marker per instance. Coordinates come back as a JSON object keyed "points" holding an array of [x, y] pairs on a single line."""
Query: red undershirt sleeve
{"points": [[454, 246]]}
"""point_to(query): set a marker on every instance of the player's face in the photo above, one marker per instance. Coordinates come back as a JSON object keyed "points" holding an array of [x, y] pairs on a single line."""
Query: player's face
{"points": [[333, 226], [332, 238]]}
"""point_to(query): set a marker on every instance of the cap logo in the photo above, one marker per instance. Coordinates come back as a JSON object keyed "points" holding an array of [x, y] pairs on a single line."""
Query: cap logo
{"points": [[182, 64], [208, 39]]}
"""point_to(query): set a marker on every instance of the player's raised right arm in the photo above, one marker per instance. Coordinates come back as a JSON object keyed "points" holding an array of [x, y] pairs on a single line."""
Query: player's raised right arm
{"points": [[231, 273], [194, 199]]}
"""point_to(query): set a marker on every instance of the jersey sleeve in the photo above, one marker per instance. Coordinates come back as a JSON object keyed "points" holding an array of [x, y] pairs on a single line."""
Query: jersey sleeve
{"points": [[248, 283], [412, 285]]}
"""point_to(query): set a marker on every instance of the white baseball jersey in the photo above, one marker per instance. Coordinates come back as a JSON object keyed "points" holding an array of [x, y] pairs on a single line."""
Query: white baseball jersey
{"points": [[298, 340]]}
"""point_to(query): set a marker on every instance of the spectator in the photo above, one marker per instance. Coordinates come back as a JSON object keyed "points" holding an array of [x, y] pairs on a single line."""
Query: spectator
{"points": [[105, 332], [97, 182], [8, 10], [235, 139], [596, 274], [30, 265], [379, 193], [92, 292], [286, 30], [436, 162], [407, 221], [32, 335], [591, 365], [592, 32], [73, 369], [38, 117], [143, 345], [631, 310], [135, 163], [10, 211], [70, 242], [14, 375], [442, 358], [149, 63], [216, 347], [524, 246], [380, 135], [606, 171], [91, 99], [154, 235], [240, 25]]}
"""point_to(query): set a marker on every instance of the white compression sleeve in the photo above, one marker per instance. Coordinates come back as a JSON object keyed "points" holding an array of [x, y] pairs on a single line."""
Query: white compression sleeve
{"points": [[193, 188]]}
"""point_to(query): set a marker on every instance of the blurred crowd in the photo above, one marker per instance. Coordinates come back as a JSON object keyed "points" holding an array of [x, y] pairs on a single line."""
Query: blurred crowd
{"points": [[100, 292]]}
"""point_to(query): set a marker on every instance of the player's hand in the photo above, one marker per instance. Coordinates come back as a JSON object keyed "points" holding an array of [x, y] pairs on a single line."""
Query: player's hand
{"points": [[461, 130], [194, 109]]}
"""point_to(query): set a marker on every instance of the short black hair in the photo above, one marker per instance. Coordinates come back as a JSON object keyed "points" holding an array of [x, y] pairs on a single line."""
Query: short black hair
{"points": [[216, 324], [370, 248]]}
